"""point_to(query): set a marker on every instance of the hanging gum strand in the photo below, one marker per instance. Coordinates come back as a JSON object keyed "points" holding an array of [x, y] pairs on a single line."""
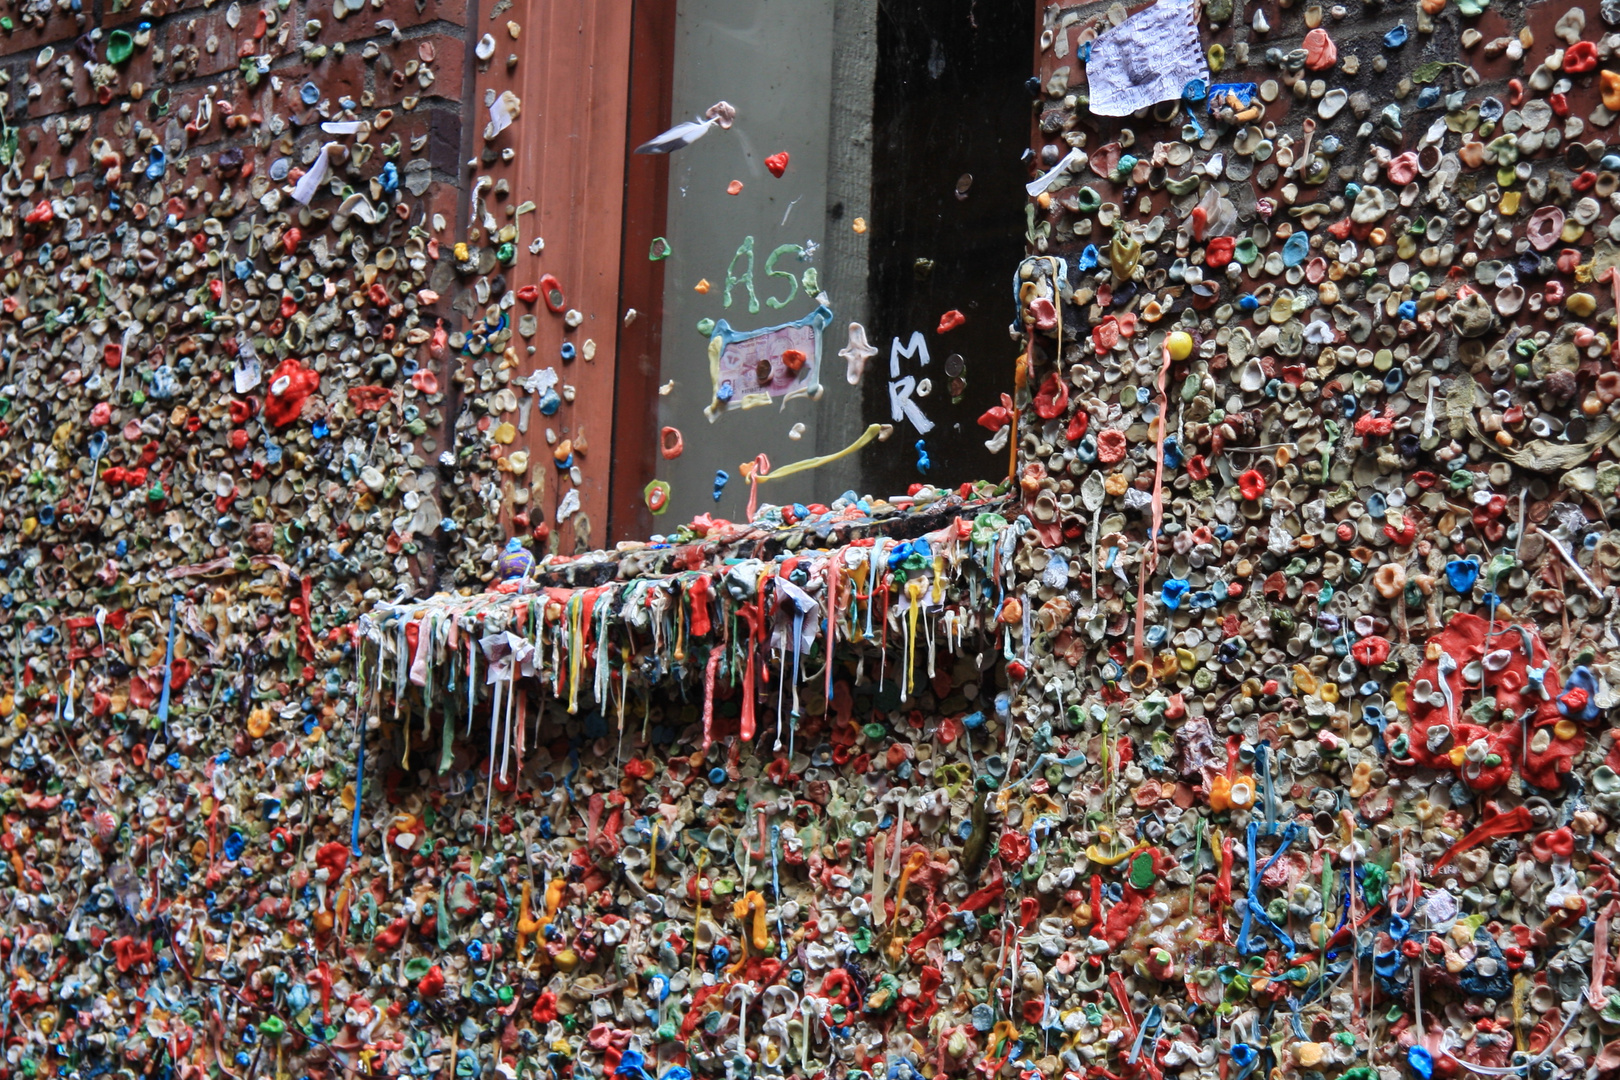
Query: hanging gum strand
{"points": [[753, 905], [554, 894], [897, 944], [880, 885], [527, 924], [652, 859], [750, 904], [914, 862], [914, 590]]}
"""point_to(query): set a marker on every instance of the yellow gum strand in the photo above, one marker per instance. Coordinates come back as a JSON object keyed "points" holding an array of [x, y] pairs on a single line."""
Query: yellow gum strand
{"points": [[1521, 991], [700, 861], [914, 590], [872, 432], [576, 658], [1097, 855], [858, 574]]}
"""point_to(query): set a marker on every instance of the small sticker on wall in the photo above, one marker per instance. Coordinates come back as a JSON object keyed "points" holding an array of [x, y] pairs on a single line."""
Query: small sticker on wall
{"points": [[757, 367]]}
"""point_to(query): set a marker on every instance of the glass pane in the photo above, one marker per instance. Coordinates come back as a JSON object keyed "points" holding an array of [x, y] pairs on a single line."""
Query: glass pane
{"points": [[870, 176]]}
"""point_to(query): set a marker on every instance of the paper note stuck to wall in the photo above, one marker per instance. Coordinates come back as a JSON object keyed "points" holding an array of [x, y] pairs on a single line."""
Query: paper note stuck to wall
{"points": [[1146, 59]]}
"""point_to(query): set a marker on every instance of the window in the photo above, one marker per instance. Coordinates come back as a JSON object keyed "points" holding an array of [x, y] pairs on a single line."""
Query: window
{"points": [[901, 127]]}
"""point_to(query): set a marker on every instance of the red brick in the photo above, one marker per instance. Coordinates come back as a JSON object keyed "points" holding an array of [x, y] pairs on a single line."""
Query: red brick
{"points": [[128, 14], [80, 154], [138, 68], [449, 58], [190, 8], [56, 98], [360, 28], [405, 14], [336, 76], [241, 101], [439, 199], [58, 29], [197, 31]]}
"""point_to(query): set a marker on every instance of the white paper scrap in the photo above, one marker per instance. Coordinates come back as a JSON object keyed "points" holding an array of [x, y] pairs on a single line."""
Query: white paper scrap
{"points": [[1072, 162], [1146, 59], [311, 181], [568, 507], [500, 115]]}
